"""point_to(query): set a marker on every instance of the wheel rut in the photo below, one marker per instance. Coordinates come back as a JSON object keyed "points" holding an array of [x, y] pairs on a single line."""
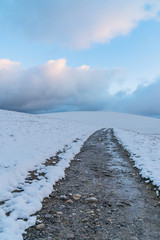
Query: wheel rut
{"points": [[102, 197]]}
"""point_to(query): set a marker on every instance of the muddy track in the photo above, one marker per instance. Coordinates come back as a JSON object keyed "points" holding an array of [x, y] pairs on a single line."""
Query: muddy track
{"points": [[113, 201]]}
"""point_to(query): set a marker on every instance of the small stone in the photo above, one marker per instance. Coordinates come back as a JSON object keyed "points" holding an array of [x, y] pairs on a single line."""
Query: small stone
{"points": [[91, 194], [47, 216], [84, 220], [91, 200], [93, 215], [45, 200], [108, 221], [133, 238], [59, 214], [62, 207], [40, 226], [63, 197], [69, 201], [70, 236], [76, 196], [90, 212], [52, 194]]}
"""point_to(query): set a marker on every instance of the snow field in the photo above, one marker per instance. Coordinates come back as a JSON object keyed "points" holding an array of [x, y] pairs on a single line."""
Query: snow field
{"points": [[26, 141]]}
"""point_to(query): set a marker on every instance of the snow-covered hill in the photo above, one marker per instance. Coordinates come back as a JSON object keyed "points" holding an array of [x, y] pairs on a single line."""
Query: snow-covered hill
{"points": [[26, 141]]}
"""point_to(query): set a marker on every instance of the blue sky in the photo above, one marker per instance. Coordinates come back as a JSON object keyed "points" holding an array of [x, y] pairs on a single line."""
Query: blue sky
{"points": [[44, 43]]}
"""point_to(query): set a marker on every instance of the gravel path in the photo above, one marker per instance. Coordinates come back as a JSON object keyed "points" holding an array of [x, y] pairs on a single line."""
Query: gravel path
{"points": [[102, 198]]}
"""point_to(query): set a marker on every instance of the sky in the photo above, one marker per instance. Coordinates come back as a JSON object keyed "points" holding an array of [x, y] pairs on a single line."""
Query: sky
{"points": [[80, 55]]}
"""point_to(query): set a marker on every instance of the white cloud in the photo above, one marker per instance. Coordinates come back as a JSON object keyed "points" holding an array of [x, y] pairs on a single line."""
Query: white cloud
{"points": [[7, 64], [55, 86], [78, 23]]}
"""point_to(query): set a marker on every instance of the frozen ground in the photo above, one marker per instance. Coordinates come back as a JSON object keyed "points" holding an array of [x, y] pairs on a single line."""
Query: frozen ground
{"points": [[26, 141]]}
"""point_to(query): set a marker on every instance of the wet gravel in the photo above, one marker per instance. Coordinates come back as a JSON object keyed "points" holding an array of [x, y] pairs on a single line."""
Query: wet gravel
{"points": [[102, 197]]}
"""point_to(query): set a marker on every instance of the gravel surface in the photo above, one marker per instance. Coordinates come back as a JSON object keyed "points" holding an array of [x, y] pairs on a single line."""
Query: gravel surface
{"points": [[102, 197]]}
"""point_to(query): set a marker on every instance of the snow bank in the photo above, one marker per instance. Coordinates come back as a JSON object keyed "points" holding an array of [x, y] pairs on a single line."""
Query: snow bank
{"points": [[145, 152]]}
